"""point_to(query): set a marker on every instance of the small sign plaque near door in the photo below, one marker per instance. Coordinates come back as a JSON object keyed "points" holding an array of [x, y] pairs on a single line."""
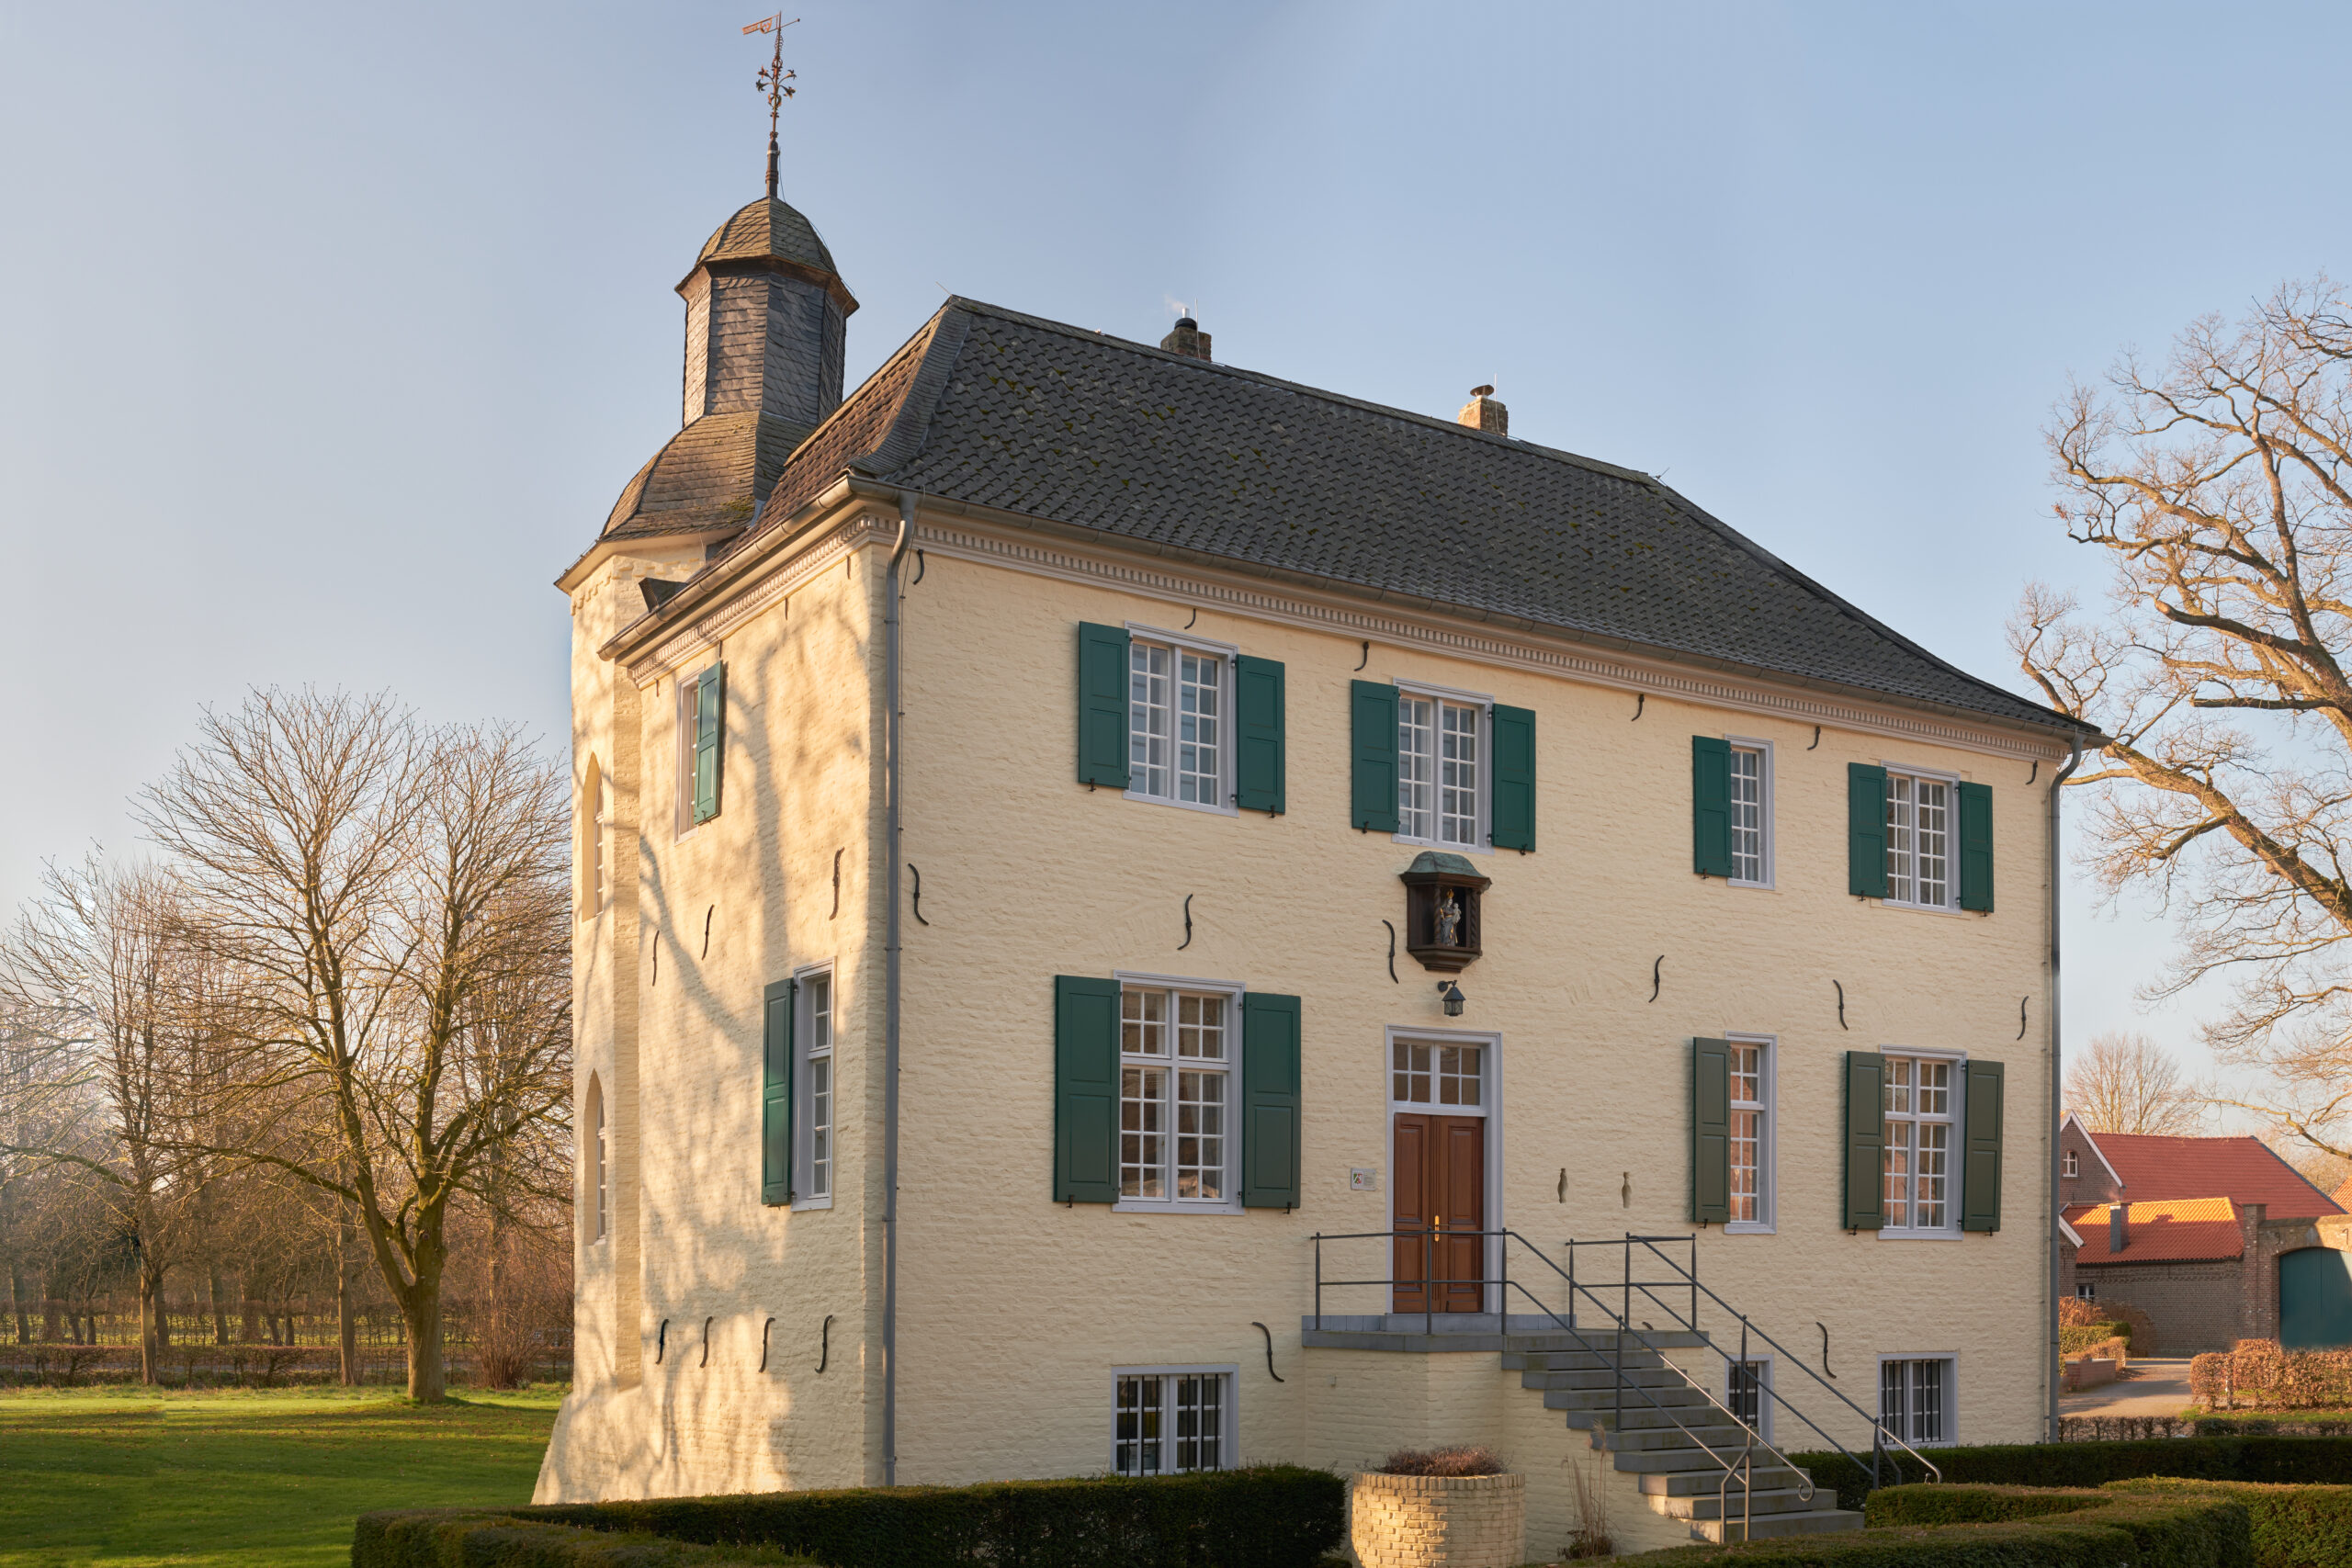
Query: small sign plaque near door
{"points": [[1363, 1178]]}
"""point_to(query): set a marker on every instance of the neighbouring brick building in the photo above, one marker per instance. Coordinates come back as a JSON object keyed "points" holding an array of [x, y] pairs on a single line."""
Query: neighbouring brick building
{"points": [[2194, 1232]]}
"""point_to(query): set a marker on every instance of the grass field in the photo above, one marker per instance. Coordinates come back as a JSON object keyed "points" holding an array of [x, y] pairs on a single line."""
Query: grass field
{"points": [[243, 1479]]}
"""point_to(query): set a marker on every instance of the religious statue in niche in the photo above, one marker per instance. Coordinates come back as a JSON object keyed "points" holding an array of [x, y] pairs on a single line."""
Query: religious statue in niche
{"points": [[1443, 893]]}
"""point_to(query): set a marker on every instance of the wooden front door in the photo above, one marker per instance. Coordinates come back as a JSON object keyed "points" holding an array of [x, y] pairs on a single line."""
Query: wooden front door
{"points": [[1440, 1198]]}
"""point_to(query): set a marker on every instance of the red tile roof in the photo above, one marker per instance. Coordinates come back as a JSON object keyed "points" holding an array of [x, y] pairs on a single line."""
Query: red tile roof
{"points": [[2179, 1230], [2155, 1167]]}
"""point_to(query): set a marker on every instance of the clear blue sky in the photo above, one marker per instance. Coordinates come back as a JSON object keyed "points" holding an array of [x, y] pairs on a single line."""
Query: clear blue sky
{"points": [[329, 334]]}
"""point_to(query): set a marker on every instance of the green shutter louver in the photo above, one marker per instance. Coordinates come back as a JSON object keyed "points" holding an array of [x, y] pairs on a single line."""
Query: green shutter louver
{"points": [[710, 739], [1270, 1102], [1865, 1174], [1710, 1131], [1102, 705], [1710, 805], [1513, 810], [1372, 776], [1980, 1180], [1086, 1089], [1258, 725], [1976, 847], [775, 1092], [1865, 831]]}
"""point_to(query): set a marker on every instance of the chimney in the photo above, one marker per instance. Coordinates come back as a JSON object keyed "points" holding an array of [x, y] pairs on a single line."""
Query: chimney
{"points": [[1187, 339], [2119, 1230], [1482, 412]]}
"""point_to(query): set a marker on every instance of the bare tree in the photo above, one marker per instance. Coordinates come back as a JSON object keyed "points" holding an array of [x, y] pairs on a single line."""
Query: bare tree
{"points": [[2127, 1083], [2219, 485], [388, 889]]}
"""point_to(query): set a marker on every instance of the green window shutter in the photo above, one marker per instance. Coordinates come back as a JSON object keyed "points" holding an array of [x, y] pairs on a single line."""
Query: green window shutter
{"points": [[775, 1093], [1102, 705], [1372, 785], [1710, 805], [1710, 1131], [1513, 810], [710, 739], [1865, 831], [1258, 720], [1086, 1090], [1269, 1101], [1976, 847], [1865, 1184], [1980, 1181]]}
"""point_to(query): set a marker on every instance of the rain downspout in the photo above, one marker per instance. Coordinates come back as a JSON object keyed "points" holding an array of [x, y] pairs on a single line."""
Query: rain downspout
{"points": [[891, 770], [2057, 859]]}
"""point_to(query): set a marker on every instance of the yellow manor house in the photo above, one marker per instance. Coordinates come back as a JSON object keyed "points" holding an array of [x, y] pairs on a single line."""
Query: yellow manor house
{"points": [[1135, 917]]}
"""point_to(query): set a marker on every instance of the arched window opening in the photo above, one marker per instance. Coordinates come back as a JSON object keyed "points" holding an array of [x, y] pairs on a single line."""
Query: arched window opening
{"points": [[599, 1209]]}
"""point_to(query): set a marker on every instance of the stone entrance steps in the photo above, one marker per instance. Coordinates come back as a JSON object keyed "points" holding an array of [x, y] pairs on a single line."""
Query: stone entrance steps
{"points": [[1663, 1434]]}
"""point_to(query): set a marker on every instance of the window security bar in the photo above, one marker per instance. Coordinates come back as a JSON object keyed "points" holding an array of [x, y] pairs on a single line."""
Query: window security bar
{"points": [[1681, 1281]]}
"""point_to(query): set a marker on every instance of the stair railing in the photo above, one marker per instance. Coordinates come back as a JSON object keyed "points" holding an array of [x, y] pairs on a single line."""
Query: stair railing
{"points": [[1686, 1280], [1741, 1465]]}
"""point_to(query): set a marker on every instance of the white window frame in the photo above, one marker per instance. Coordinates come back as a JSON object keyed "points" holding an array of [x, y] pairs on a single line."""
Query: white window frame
{"points": [[1765, 1400], [1951, 1360], [1229, 1428], [683, 706], [1232, 991], [1763, 810], [1955, 1151], [2069, 1164], [1951, 906], [804, 1103], [2084, 1291], [1228, 735], [1482, 828], [1767, 1222], [1490, 1106]]}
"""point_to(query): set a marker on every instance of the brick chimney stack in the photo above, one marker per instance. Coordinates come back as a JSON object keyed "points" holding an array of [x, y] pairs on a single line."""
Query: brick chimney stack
{"points": [[1482, 412], [1187, 339]]}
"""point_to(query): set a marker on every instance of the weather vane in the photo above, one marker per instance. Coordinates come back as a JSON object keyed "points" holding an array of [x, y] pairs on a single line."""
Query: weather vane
{"points": [[773, 82]]}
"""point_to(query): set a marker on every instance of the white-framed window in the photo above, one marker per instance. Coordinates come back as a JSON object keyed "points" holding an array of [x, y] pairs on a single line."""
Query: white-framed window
{"points": [[1922, 1139], [1438, 1073], [1178, 1046], [1747, 1394], [1752, 813], [1180, 711], [814, 1033], [2068, 1165], [1922, 864], [600, 1210], [2086, 1292], [1444, 767], [1751, 1134], [1171, 1420], [1915, 1398], [687, 704]]}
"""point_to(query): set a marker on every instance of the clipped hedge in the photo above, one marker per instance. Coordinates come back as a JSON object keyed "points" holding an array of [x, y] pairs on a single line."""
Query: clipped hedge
{"points": [[1262, 1517], [2294, 1527], [2284, 1460], [447, 1538], [2076, 1337], [2002, 1526]]}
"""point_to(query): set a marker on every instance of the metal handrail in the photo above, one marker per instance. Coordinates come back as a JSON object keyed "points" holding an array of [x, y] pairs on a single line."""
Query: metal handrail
{"points": [[1691, 1278], [1745, 1468]]}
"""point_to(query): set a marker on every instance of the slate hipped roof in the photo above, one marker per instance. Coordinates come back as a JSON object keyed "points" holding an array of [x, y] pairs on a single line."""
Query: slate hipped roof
{"points": [[994, 409]]}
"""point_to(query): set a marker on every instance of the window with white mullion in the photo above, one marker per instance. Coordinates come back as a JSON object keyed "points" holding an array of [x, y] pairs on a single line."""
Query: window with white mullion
{"points": [[1919, 1127], [1918, 840], [1169, 1423], [1747, 814], [1175, 1083], [1175, 724], [1440, 790], [1914, 1398], [819, 991], [1751, 1134]]}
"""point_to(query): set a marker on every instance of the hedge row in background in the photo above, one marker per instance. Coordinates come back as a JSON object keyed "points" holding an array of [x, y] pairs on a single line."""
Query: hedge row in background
{"points": [[446, 1538], [1981, 1527], [2294, 1527], [1263, 1517], [2284, 1460], [2260, 1375], [2076, 1337]]}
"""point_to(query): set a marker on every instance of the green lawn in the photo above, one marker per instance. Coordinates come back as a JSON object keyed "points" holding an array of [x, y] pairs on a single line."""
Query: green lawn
{"points": [[241, 1479]]}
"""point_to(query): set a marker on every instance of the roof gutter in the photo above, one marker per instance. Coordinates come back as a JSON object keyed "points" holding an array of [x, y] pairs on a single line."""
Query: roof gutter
{"points": [[893, 793], [2057, 857]]}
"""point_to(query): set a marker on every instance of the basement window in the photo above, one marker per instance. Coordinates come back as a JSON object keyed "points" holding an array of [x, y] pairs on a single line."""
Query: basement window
{"points": [[1914, 1398], [1172, 1420]]}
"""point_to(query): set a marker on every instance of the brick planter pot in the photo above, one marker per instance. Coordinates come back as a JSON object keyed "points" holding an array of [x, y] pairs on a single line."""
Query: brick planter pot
{"points": [[1438, 1521]]}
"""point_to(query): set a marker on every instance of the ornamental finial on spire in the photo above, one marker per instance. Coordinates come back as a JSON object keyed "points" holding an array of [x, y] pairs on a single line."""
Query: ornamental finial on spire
{"points": [[774, 82]]}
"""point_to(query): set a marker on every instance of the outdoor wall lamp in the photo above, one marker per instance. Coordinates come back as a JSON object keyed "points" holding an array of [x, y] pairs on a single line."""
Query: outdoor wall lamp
{"points": [[1453, 998]]}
